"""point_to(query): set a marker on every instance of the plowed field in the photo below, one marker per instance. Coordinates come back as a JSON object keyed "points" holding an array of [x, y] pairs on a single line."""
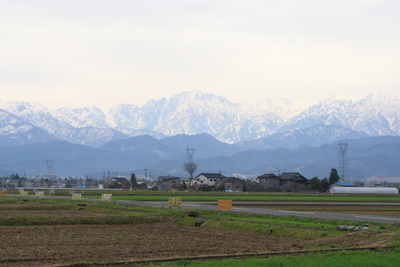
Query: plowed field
{"points": [[64, 244]]}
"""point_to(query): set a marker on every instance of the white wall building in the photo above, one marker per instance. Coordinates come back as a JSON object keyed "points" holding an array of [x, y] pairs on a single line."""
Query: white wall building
{"points": [[383, 180]]}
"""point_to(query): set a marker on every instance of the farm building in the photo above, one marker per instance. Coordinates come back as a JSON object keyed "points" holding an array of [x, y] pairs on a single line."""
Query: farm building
{"points": [[364, 190]]}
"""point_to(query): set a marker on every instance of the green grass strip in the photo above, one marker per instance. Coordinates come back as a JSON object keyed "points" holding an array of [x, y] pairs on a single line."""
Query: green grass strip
{"points": [[331, 259]]}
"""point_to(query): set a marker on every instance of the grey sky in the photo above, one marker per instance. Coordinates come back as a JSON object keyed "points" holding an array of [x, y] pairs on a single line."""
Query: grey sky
{"points": [[103, 53]]}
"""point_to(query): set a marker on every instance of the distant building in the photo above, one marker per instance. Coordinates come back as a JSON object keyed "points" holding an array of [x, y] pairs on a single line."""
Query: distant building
{"points": [[210, 179], [119, 182], [235, 184], [165, 183], [383, 180], [342, 184], [268, 181], [293, 181]]}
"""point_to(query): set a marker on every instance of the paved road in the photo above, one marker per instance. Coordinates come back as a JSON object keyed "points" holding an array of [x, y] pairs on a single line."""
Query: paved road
{"points": [[309, 214], [208, 206]]}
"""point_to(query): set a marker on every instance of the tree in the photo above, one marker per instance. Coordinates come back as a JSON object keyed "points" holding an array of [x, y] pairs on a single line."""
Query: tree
{"points": [[190, 168], [325, 184], [133, 180], [184, 186], [315, 183], [333, 177]]}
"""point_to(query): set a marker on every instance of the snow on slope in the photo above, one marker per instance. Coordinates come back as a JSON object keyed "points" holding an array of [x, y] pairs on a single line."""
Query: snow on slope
{"points": [[195, 112]]}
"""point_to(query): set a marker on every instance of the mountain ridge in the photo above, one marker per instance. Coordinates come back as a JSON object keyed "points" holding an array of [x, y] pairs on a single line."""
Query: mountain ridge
{"points": [[366, 157], [195, 112]]}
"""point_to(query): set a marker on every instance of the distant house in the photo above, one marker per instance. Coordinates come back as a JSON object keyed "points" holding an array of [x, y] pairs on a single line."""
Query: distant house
{"points": [[210, 179], [235, 184], [119, 182], [231, 183], [13, 183], [268, 181], [293, 181], [165, 183]]}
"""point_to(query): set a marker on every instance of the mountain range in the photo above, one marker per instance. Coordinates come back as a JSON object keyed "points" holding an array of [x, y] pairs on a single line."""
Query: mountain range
{"points": [[195, 112], [227, 136]]}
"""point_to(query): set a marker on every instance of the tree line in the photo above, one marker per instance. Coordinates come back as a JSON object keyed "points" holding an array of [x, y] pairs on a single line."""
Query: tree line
{"points": [[323, 184]]}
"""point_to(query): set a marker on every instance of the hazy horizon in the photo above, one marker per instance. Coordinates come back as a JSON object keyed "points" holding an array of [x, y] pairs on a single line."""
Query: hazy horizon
{"points": [[101, 53]]}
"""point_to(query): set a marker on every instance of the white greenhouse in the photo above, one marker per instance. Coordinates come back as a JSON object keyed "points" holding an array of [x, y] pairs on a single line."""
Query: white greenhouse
{"points": [[364, 190]]}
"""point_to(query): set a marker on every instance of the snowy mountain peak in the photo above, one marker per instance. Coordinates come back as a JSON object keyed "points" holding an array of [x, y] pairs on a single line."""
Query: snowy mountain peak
{"points": [[195, 112]]}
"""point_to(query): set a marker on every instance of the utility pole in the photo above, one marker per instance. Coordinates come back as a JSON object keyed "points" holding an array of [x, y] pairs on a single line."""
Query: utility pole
{"points": [[130, 189], [108, 179]]}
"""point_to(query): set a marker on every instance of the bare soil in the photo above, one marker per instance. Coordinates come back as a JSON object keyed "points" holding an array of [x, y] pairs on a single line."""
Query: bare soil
{"points": [[47, 213], [64, 244]]}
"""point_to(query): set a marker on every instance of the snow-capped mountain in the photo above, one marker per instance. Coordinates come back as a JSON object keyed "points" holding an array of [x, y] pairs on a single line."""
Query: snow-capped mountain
{"points": [[375, 114], [195, 112], [82, 117], [16, 131]]}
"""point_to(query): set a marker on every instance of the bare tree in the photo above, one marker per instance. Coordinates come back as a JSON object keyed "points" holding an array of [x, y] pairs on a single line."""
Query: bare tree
{"points": [[190, 168]]}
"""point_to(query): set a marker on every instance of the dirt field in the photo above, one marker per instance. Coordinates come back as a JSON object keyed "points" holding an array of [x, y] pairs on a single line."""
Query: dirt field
{"points": [[62, 245]]}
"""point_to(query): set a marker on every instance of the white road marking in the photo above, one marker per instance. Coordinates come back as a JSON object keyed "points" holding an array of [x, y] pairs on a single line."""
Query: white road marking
{"points": [[190, 205], [158, 203], [239, 208], [364, 217], [288, 211]]}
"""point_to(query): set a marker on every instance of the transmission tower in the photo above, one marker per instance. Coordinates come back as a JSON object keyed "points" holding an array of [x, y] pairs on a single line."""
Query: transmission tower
{"points": [[343, 166], [50, 163], [190, 153]]}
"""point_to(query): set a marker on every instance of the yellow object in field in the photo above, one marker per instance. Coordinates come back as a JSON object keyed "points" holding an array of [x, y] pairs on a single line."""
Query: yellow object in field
{"points": [[76, 196], [106, 197], [174, 202], [224, 204]]}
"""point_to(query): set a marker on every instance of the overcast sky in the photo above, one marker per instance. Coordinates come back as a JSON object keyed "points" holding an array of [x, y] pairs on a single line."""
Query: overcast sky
{"points": [[103, 53]]}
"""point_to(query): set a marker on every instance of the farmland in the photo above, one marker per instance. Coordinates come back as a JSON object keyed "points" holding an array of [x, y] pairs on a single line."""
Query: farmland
{"points": [[49, 232]]}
